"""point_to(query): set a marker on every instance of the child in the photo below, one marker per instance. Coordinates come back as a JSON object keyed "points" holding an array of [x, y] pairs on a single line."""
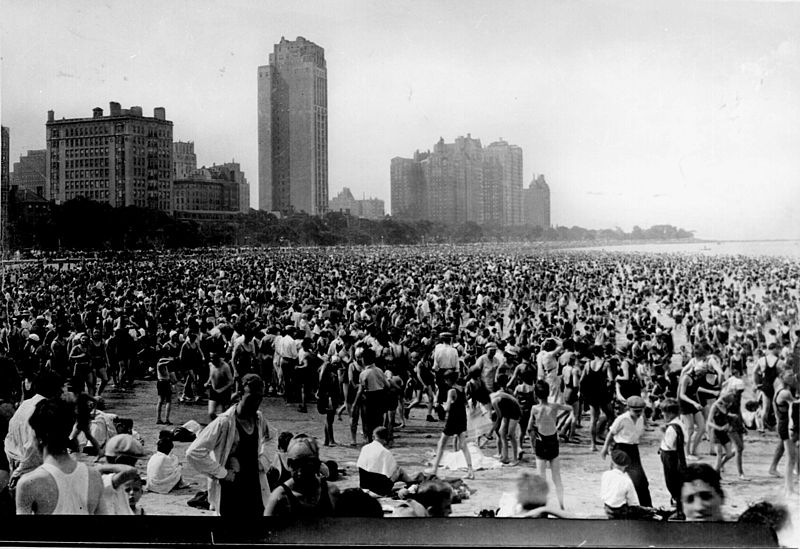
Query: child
{"points": [[455, 422], [134, 489], [673, 457], [544, 437], [616, 488], [530, 500], [719, 425], [122, 453], [507, 414], [166, 379]]}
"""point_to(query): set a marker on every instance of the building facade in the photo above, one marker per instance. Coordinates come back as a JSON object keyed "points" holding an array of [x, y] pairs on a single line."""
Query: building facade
{"points": [[536, 203], [30, 173], [293, 129], [124, 159], [184, 161], [459, 182], [232, 171], [368, 208], [508, 159], [5, 183]]}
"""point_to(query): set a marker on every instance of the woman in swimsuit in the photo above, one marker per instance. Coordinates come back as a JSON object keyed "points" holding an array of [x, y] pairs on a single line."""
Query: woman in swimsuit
{"points": [[594, 388]]}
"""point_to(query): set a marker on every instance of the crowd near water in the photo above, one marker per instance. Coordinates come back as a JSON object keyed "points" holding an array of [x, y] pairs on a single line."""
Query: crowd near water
{"points": [[524, 351]]}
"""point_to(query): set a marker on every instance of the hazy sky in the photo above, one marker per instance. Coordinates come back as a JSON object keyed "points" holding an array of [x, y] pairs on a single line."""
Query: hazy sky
{"points": [[639, 112]]}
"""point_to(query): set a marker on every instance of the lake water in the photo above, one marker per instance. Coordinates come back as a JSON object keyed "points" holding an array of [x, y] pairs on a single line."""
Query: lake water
{"points": [[771, 248]]}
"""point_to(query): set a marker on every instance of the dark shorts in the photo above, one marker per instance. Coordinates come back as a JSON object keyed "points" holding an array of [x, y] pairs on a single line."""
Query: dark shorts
{"points": [[222, 398], [546, 447], [164, 388], [571, 396], [509, 409], [720, 437], [783, 429], [687, 409]]}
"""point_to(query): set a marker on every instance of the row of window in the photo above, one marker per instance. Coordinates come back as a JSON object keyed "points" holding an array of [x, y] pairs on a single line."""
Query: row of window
{"points": [[87, 163]]}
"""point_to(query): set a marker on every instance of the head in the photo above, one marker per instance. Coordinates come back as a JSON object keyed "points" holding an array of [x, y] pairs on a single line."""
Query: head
{"points": [[381, 434], [165, 445], [620, 460], [670, 408], [252, 394], [302, 457], [636, 406], [436, 497], [134, 490], [541, 390], [701, 494], [409, 508], [531, 491], [52, 422], [491, 350], [283, 441]]}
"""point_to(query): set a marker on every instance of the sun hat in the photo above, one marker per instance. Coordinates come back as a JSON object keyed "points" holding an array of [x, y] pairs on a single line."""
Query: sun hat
{"points": [[124, 446], [302, 447]]}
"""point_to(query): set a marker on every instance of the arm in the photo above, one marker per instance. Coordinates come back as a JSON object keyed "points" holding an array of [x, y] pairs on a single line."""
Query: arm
{"points": [[25, 496], [278, 504], [451, 398], [682, 386], [122, 473], [614, 429], [199, 452]]}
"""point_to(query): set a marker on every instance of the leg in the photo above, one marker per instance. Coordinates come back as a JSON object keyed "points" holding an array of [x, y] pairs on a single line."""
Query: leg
{"points": [[555, 472], [738, 445], [103, 376], [158, 410], [776, 458], [168, 409], [329, 415], [212, 410], [791, 456], [687, 420], [502, 440], [593, 413], [439, 452], [467, 457]]}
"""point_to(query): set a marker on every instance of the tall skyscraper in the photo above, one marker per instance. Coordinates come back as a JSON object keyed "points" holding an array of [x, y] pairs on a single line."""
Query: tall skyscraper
{"points": [[5, 184], [124, 159], [293, 129], [509, 192], [536, 203]]}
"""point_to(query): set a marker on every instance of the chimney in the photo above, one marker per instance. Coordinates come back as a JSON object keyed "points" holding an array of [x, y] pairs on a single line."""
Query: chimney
{"points": [[97, 112], [160, 113], [114, 108], [51, 116], [136, 111]]}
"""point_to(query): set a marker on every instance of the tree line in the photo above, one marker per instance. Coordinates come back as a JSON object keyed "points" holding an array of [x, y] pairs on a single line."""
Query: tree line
{"points": [[83, 224]]}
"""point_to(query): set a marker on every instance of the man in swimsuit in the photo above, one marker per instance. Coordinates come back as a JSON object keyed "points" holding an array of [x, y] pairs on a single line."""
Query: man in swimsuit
{"points": [[544, 436], [220, 385], [61, 485]]}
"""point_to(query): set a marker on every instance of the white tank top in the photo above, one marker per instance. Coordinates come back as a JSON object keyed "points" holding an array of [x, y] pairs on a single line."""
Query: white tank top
{"points": [[73, 489]]}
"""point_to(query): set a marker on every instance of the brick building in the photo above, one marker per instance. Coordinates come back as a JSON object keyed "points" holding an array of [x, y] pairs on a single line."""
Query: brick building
{"points": [[124, 159]]}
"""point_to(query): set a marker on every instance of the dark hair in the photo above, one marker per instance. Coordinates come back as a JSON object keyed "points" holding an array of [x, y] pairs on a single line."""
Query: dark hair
{"points": [[368, 356], [432, 493], [670, 406], [164, 445], [251, 381], [52, 421], [704, 472], [763, 512], [541, 390], [283, 440], [50, 385], [354, 502]]}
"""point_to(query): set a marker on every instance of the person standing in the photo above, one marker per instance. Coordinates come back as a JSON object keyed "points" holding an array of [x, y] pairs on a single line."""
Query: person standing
{"points": [[626, 433], [455, 422], [672, 451], [238, 469], [445, 359], [60, 485], [372, 391]]}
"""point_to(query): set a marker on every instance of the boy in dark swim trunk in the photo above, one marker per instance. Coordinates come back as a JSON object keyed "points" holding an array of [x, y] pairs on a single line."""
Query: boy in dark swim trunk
{"points": [[544, 435], [220, 385]]}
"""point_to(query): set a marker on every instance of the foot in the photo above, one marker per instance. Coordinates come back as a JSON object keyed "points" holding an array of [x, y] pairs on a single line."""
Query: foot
{"points": [[692, 457], [168, 422], [159, 422], [302, 408], [406, 412], [430, 418], [470, 475], [774, 473]]}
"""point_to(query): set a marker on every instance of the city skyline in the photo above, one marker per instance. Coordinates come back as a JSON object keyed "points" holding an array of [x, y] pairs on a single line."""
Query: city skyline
{"points": [[638, 114]]}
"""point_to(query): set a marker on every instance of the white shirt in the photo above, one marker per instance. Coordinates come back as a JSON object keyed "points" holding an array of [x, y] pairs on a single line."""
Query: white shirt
{"points": [[625, 431], [616, 489], [116, 499], [375, 458], [163, 473], [670, 441]]}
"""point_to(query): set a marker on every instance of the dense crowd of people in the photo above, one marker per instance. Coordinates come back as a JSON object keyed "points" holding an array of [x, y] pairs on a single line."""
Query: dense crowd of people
{"points": [[528, 340]]}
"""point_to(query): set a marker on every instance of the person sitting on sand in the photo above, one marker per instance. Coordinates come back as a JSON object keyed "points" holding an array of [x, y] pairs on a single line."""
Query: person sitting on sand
{"points": [[530, 500], [164, 471], [378, 470]]}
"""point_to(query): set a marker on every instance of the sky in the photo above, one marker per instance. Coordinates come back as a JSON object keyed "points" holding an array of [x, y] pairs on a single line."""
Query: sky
{"points": [[637, 113]]}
